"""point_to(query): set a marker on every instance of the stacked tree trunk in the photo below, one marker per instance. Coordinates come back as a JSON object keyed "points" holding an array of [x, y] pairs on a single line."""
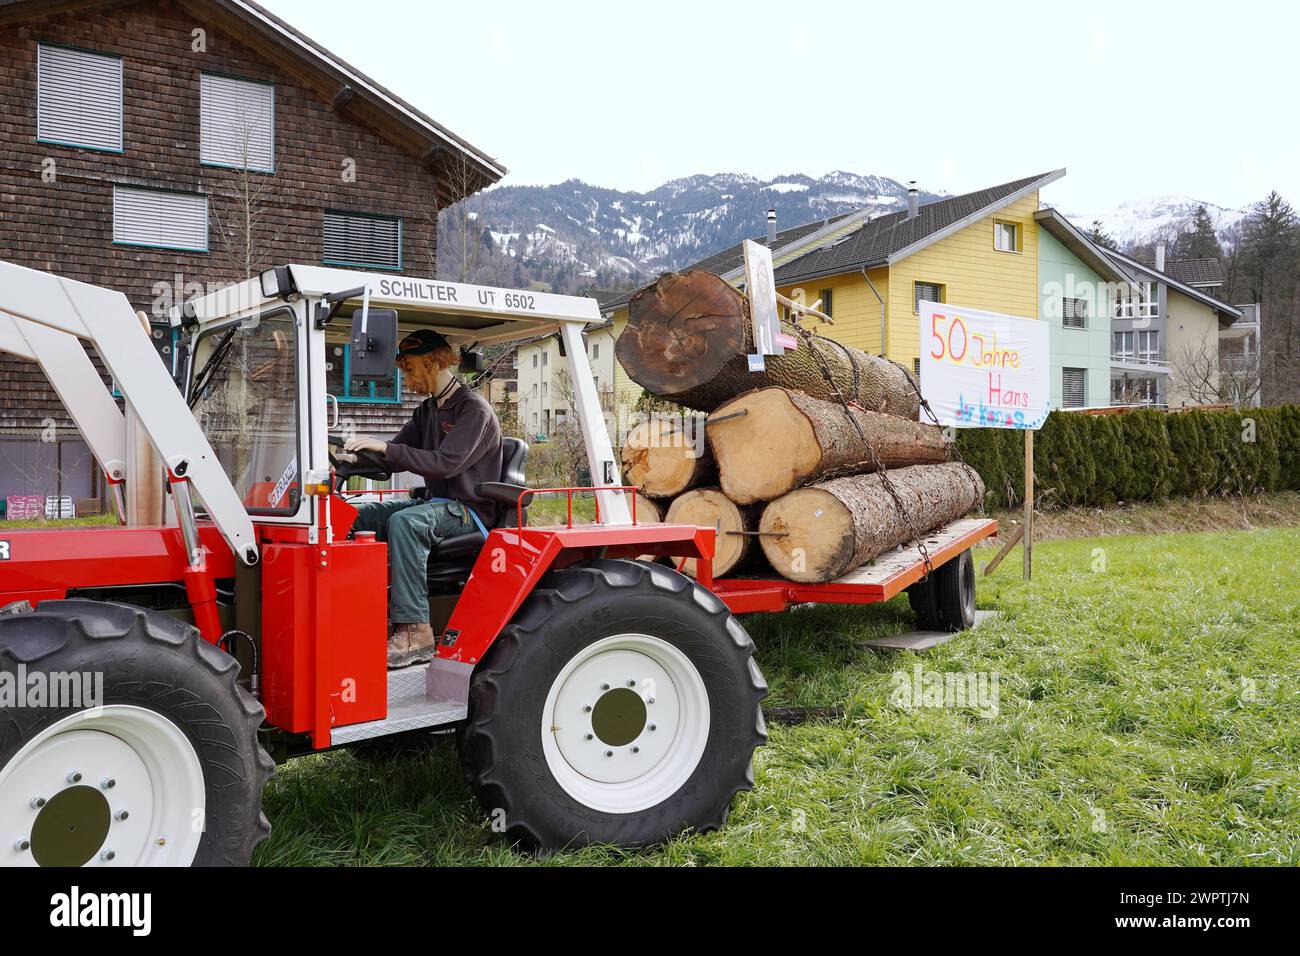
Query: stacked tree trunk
{"points": [[816, 464]]}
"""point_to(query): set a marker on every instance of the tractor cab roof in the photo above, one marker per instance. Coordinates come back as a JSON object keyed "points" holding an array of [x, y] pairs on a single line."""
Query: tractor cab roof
{"points": [[462, 312]]}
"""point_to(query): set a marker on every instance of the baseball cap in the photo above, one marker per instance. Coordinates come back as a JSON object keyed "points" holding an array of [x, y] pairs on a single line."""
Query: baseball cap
{"points": [[420, 342]]}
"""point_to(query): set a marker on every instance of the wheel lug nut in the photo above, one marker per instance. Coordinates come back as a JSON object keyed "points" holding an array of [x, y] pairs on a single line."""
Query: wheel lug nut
{"points": [[108, 856], [589, 736], [36, 802], [604, 687], [108, 783], [587, 709], [74, 776], [22, 844], [650, 700], [636, 750], [652, 726], [122, 814], [609, 753], [631, 683]]}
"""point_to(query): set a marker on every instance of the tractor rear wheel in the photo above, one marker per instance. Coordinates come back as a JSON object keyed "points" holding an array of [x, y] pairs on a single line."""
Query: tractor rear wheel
{"points": [[621, 705], [141, 750]]}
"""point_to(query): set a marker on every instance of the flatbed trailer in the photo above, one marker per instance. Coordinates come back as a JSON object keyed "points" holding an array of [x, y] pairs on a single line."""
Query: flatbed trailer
{"points": [[878, 580]]}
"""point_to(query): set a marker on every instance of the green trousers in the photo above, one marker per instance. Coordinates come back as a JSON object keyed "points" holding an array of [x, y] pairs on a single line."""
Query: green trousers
{"points": [[412, 529]]}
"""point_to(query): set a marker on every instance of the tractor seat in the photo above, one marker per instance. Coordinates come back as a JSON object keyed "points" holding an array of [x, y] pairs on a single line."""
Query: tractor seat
{"points": [[451, 561]]}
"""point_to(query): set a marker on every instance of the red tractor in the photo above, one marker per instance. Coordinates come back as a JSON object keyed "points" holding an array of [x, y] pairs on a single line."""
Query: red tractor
{"points": [[150, 673]]}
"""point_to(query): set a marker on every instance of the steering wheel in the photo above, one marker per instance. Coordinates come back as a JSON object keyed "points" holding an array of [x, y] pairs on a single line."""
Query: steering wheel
{"points": [[368, 464]]}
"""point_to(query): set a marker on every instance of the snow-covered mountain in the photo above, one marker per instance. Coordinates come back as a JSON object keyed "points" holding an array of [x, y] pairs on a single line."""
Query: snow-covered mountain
{"points": [[576, 235], [1145, 221]]}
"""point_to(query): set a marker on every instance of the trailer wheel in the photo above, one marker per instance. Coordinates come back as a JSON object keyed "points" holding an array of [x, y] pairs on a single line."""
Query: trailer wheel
{"points": [[621, 705], [149, 756], [922, 599], [954, 592]]}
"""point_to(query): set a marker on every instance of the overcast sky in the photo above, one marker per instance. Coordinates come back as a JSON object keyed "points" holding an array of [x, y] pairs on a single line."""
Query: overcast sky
{"points": [[1136, 99]]}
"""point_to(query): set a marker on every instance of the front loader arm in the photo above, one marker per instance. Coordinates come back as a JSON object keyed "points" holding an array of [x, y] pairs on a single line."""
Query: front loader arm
{"points": [[78, 385], [105, 318]]}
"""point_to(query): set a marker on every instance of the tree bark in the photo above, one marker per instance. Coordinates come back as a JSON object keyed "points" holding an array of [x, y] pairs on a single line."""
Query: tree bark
{"points": [[779, 440], [710, 508], [664, 459], [824, 531], [688, 336]]}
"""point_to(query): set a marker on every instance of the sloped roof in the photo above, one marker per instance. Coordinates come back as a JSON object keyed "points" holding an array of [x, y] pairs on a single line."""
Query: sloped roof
{"points": [[1207, 271], [891, 237], [1145, 272], [402, 115], [1087, 251], [733, 257]]}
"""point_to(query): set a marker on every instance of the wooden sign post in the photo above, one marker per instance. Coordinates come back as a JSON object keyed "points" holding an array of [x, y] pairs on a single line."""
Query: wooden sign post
{"points": [[1029, 503]]}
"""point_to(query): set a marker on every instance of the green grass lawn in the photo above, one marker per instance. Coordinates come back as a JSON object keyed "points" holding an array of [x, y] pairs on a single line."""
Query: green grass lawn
{"points": [[1147, 714]]}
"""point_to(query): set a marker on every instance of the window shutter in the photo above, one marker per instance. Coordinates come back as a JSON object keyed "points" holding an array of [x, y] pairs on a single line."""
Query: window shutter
{"points": [[358, 240], [237, 123], [79, 98], [826, 296], [925, 292], [149, 217], [1073, 394]]}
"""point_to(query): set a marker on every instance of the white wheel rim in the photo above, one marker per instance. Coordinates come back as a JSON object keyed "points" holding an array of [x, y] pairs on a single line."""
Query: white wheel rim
{"points": [[625, 723], [83, 772]]}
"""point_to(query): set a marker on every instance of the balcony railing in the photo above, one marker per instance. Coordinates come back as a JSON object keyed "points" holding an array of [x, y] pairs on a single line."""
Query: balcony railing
{"points": [[1145, 359]]}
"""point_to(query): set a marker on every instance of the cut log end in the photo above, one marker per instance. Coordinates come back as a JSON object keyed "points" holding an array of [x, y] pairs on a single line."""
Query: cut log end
{"points": [[767, 448], [663, 460], [807, 535], [710, 508]]}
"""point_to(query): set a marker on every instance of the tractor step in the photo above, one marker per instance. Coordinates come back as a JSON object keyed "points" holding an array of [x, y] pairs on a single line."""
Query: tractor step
{"points": [[409, 708]]}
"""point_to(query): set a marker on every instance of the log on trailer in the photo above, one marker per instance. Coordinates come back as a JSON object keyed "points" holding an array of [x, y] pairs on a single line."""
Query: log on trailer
{"points": [[665, 457], [772, 440], [688, 335], [821, 532], [710, 508]]}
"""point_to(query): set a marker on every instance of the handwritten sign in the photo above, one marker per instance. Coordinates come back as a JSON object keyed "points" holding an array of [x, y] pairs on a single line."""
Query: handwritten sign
{"points": [[983, 369]]}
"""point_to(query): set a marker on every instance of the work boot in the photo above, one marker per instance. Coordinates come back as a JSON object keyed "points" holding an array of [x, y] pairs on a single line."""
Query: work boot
{"points": [[410, 644]]}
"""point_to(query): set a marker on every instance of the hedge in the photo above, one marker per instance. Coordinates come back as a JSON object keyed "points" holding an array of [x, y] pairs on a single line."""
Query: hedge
{"points": [[1145, 455]]}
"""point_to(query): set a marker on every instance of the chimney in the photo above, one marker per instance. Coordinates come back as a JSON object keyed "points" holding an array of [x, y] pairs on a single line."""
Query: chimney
{"points": [[912, 201], [771, 228], [1160, 257]]}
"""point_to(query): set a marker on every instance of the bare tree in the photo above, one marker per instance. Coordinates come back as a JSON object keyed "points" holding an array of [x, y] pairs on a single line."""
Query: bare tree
{"points": [[1194, 372], [239, 213], [463, 252]]}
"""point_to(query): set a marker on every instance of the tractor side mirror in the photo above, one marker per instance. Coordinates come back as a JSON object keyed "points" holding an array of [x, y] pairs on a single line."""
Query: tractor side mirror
{"points": [[471, 360], [374, 344]]}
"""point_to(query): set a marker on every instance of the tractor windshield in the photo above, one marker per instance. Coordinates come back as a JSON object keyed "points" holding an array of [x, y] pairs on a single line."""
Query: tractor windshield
{"points": [[246, 401]]}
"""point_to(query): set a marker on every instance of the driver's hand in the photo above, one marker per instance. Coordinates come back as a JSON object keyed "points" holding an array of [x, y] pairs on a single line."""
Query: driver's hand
{"points": [[365, 443]]}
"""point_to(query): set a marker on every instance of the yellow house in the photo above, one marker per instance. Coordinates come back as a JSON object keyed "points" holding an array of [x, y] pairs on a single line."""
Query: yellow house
{"points": [[979, 250]]}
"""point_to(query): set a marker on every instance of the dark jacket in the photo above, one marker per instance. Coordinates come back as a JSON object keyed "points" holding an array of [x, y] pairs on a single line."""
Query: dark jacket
{"points": [[452, 448]]}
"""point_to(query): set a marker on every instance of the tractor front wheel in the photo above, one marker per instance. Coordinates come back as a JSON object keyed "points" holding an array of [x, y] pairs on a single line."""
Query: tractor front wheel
{"points": [[621, 705], [127, 741]]}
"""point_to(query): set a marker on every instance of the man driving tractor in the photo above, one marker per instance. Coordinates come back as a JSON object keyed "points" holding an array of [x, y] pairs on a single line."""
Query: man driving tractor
{"points": [[453, 441]]}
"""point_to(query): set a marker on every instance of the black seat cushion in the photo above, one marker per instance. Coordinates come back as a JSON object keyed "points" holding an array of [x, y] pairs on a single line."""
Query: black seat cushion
{"points": [[451, 561]]}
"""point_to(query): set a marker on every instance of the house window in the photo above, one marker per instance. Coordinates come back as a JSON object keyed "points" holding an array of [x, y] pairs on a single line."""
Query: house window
{"points": [[236, 123], [546, 357], [827, 307], [340, 383], [1148, 346], [78, 98], [916, 368], [534, 360], [595, 351], [925, 292], [1074, 390], [1006, 236], [1140, 303], [546, 390], [358, 239], [1121, 345], [164, 220], [1074, 313]]}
